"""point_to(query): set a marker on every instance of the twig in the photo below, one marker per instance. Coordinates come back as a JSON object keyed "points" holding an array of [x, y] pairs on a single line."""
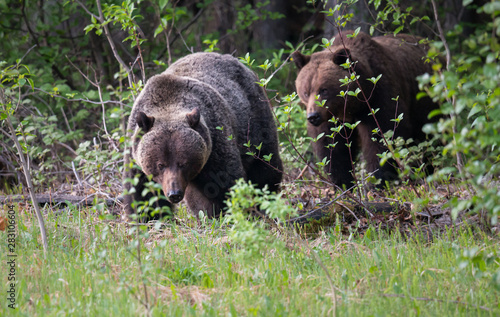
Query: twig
{"points": [[27, 52], [27, 175], [83, 100], [24, 163], [76, 174], [104, 25], [67, 147], [98, 86], [322, 207], [348, 209], [87, 10], [453, 99], [179, 34], [441, 35], [302, 172], [104, 120]]}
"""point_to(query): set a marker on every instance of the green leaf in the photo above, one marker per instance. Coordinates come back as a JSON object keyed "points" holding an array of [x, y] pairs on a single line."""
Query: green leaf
{"points": [[354, 93], [356, 32], [373, 111], [475, 109], [325, 42], [267, 158], [158, 30], [351, 126], [162, 4], [30, 81], [375, 80], [318, 137]]}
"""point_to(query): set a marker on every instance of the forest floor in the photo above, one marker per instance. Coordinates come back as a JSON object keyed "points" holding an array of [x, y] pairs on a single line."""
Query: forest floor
{"points": [[363, 255]]}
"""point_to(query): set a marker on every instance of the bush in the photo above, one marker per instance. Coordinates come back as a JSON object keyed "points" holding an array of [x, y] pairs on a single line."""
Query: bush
{"points": [[469, 94]]}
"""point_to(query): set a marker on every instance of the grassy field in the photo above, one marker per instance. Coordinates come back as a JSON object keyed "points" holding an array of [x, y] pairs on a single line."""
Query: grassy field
{"points": [[99, 267]]}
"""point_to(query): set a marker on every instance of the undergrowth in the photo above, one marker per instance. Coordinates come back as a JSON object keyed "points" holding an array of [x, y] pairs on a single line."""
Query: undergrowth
{"points": [[94, 268]]}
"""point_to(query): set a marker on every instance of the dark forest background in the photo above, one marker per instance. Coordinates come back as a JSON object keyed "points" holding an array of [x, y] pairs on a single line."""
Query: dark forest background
{"points": [[71, 70]]}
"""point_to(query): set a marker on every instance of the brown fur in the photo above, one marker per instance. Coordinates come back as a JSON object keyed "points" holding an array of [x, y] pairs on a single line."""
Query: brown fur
{"points": [[400, 60], [177, 137]]}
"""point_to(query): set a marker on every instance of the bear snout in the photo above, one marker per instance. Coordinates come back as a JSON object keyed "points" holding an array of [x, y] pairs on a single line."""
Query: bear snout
{"points": [[314, 118], [175, 196], [173, 184]]}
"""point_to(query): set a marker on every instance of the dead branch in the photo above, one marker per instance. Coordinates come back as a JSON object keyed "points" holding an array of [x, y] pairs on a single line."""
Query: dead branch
{"points": [[43, 199], [327, 210]]}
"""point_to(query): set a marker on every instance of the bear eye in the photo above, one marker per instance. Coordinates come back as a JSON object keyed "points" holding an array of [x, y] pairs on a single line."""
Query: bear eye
{"points": [[306, 94], [323, 92], [161, 167], [181, 165]]}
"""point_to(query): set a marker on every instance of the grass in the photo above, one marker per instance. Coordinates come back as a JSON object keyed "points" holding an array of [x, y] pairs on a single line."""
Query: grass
{"points": [[93, 269]]}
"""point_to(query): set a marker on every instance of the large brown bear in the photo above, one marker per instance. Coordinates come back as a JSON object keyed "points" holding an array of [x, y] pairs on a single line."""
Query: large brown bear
{"points": [[189, 127], [399, 59]]}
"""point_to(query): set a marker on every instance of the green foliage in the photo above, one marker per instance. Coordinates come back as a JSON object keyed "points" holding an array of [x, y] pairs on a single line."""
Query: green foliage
{"points": [[479, 263], [245, 204], [13, 80], [249, 14], [394, 16], [124, 16], [469, 93], [292, 130], [341, 18]]}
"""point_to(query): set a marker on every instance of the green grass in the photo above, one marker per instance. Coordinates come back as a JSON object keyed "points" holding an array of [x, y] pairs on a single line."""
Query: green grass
{"points": [[92, 269]]}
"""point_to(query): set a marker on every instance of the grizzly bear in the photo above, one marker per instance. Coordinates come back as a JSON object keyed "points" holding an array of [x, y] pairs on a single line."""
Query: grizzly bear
{"points": [[321, 79], [191, 127]]}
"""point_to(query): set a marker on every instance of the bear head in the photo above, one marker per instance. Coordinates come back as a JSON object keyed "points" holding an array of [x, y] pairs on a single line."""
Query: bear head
{"points": [[319, 83], [173, 150]]}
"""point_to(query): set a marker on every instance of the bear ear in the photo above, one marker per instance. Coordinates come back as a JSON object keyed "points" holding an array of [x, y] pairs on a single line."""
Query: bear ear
{"points": [[144, 122], [193, 117], [300, 59], [340, 57]]}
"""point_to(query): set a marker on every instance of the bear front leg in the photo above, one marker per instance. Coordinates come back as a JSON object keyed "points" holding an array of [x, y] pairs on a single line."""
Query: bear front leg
{"points": [[387, 172], [340, 167], [137, 196], [208, 192], [371, 149], [263, 173], [197, 200], [340, 157]]}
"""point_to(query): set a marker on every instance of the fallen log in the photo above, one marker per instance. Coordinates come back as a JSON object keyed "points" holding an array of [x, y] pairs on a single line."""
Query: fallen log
{"points": [[62, 199], [333, 208]]}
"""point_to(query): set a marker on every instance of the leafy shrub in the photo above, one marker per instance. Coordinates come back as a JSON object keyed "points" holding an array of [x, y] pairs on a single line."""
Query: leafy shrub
{"points": [[247, 201], [469, 94]]}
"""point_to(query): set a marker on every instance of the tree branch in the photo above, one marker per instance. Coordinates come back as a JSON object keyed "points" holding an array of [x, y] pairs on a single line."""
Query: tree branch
{"points": [[104, 25]]}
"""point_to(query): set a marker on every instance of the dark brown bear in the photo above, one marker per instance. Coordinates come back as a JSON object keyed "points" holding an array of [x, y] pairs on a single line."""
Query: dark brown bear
{"points": [[399, 59], [189, 125]]}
